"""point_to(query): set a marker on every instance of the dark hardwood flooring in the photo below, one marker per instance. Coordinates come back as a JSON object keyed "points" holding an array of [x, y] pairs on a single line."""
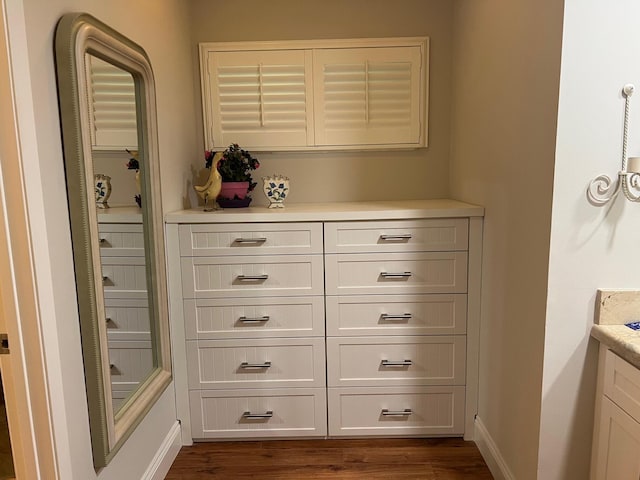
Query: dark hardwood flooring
{"points": [[428, 459]]}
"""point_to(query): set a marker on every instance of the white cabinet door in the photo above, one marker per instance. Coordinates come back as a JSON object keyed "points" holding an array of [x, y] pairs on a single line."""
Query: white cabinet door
{"points": [[257, 98], [617, 446], [369, 96]]}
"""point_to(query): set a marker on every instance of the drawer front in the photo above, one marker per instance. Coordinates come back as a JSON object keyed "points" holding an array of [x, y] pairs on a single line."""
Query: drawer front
{"points": [[396, 273], [121, 239], [300, 412], [256, 363], [224, 277], [382, 361], [124, 277], [396, 315], [131, 362], [127, 319], [396, 411], [254, 317], [433, 235], [622, 384], [250, 239]]}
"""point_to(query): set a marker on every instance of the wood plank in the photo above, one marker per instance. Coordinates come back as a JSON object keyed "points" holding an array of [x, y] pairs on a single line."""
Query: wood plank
{"points": [[434, 458]]}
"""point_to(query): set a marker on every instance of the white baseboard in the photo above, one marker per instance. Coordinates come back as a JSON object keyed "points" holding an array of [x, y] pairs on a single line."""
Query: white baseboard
{"points": [[490, 453], [166, 454]]}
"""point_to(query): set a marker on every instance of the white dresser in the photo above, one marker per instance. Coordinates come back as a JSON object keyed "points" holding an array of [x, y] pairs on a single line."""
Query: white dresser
{"points": [[343, 319], [122, 257]]}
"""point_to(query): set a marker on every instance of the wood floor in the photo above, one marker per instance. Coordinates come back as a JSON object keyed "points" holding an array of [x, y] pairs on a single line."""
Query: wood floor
{"points": [[428, 459]]}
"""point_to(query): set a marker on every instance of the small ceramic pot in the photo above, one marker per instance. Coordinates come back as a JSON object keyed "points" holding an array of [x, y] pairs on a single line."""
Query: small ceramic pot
{"points": [[231, 190], [276, 188]]}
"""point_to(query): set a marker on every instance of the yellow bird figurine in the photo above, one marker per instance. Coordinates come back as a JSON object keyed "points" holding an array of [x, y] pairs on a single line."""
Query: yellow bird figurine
{"points": [[211, 189]]}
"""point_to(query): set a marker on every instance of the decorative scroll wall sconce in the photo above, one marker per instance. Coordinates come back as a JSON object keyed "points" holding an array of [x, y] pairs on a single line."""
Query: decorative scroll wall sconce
{"points": [[602, 188]]}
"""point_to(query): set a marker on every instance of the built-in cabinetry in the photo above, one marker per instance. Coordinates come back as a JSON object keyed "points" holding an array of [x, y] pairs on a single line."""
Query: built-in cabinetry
{"points": [[396, 326], [616, 441], [359, 93], [126, 303], [395, 283]]}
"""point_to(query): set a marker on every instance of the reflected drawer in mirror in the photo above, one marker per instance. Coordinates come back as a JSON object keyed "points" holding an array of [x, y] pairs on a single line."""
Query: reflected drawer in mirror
{"points": [[124, 277], [121, 239]]}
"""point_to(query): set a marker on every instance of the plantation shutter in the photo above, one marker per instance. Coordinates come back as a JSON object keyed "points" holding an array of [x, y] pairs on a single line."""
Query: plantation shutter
{"points": [[259, 98], [112, 107], [367, 96]]}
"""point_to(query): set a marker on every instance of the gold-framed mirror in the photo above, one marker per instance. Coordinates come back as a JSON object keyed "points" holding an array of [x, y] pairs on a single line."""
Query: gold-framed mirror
{"points": [[118, 246]]}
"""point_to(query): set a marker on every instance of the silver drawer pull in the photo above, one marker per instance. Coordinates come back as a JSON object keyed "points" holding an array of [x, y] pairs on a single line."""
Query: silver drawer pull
{"points": [[251, 278], [396, 363], [103, 241], [250, 240], [396, 413], [400, 316], [255, 365], [105, 280], [267, 414], [402, 236], [395, 275], [264, 318]]}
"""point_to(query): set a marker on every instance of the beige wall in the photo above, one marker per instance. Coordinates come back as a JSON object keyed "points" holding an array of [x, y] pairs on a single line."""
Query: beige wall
{"points": [[162, 28], [506, 74], [345, 176]]}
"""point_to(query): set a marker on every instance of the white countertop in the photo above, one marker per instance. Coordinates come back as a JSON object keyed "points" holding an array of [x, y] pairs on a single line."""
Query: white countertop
{"points": [[128, 214], [614, 308], [338, 211]]}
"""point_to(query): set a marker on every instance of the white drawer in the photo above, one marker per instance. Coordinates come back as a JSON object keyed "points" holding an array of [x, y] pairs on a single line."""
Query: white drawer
{"points": [[385, 361], [250, 239], [131, 362], [396, 273], [622, 384], [254, 414], [256, 363], [254, 317], [121, 239], [240, 276], [433, 235], [396, 315], [124, 277], [127, 319], [396, 411]]}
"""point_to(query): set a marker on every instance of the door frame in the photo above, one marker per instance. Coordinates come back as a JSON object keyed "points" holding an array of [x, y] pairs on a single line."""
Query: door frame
{"points": [[23, 369]]}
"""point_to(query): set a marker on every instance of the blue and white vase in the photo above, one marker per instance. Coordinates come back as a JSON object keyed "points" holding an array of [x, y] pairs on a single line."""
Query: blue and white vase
{"points": [[276, 188]]}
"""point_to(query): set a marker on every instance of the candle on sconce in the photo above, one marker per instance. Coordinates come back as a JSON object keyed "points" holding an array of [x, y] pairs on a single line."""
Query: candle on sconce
{"points": [[633, 165]]}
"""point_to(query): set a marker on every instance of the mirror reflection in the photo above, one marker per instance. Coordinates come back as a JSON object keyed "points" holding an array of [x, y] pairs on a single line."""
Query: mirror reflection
{"points": [[121, 229]]}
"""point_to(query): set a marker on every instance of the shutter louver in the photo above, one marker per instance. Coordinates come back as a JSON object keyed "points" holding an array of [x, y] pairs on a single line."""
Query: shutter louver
{"points": [[260, 99], [367, 96], [112, 107]]}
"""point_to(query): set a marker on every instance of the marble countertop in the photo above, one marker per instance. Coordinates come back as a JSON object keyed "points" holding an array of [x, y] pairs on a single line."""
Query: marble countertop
{"points": [[614, 308]]}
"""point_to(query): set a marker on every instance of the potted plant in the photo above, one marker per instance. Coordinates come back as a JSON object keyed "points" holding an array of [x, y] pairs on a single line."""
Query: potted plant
{"points": [[235, 168]]}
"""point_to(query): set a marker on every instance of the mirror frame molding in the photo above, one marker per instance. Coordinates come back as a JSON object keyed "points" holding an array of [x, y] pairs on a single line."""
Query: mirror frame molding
{"points": [[78, 34]]}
